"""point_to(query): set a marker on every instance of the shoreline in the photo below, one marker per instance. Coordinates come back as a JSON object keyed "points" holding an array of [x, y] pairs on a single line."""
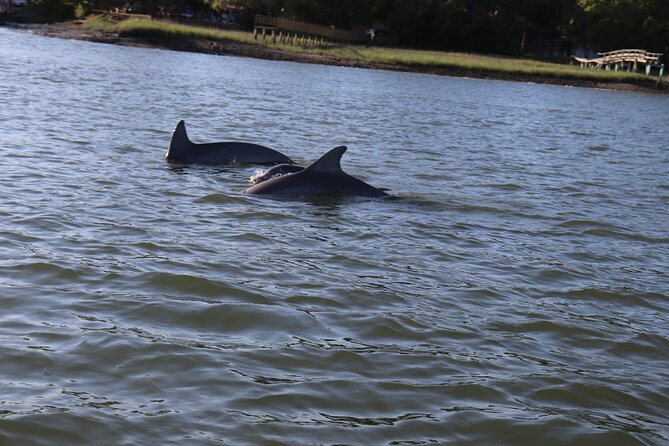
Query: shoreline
{"points": [[74, 31]]}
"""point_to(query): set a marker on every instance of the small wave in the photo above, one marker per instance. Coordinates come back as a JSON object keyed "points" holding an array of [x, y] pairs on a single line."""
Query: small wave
{"points": [[607, 230], [194, 285], [351, 421], [45, 272], [555, 329], [610, 233], [621, 297], [474, 208], [643, 346], [583, 224], [216, 198], [505, 186]]}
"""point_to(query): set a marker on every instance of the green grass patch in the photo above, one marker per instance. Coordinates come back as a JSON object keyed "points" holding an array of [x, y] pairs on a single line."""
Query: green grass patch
{"points": [[101, 23], [153, 29]]}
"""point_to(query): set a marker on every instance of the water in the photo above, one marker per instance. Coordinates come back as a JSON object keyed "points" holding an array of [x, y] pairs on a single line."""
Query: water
{"points": [[516, 291]]}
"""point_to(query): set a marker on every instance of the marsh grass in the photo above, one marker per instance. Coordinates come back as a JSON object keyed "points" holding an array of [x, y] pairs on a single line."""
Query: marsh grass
{"points": [[417, 59], [100, 23], [471, 62], [155, 29], [159, 29]]}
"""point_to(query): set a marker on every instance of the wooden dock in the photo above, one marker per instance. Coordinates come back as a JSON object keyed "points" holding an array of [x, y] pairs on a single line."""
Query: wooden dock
{"points": [[627, 59], [295, 32]]}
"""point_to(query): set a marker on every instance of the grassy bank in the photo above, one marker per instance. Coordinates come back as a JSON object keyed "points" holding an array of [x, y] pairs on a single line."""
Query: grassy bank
{"points": [[156, 29], [473, 62], [417, 60]]}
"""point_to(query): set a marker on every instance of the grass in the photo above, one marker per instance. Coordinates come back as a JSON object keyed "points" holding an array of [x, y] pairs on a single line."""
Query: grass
{"points": [[471, 62], [152, 29], [141, 28]]}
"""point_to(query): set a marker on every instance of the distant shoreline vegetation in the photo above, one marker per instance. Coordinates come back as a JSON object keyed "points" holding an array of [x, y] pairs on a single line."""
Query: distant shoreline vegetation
{"points": [[214, 40]]}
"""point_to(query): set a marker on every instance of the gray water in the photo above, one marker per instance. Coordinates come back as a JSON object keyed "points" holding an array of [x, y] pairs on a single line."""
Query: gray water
{"points": [[514, 291]]}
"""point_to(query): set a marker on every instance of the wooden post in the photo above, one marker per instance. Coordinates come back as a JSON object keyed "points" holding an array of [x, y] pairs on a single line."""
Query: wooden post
{"points": [[255, 33], [273, 36]]}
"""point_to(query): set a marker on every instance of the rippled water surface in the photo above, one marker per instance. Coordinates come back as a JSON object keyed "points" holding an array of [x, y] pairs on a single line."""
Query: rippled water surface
{"points": [[514, 292]]}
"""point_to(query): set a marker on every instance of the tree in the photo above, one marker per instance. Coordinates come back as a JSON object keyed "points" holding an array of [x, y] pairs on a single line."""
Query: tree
{"points": [[617, 24], [488, 26]]}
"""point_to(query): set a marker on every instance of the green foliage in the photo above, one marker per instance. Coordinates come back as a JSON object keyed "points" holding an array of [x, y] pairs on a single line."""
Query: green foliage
{"points": [[489, 26], [52, 9], [508, 27], [614, 24], [80, 10]]}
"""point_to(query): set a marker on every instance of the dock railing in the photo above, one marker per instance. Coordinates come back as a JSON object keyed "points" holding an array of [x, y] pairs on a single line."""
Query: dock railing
{"points": [[290, 31], [631, 56]]}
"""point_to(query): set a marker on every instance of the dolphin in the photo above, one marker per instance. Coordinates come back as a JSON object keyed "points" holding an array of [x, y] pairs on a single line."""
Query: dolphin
{"points": [[182, 150], [323, 177], [275, 171]]}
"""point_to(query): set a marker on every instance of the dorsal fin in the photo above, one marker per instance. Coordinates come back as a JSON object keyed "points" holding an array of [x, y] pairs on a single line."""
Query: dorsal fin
{"points": [[330, 162], [180, 139]]}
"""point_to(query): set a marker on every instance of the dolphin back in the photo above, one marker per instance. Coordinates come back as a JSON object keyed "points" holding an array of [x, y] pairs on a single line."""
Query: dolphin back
{"points": [[324, 177], [182, 150]]}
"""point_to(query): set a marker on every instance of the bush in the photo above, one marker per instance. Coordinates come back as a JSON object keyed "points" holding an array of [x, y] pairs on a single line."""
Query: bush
{"points": [[56, 10]]}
